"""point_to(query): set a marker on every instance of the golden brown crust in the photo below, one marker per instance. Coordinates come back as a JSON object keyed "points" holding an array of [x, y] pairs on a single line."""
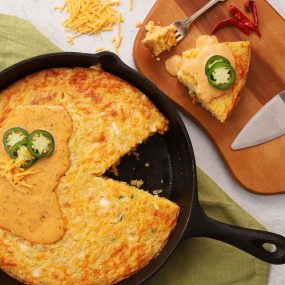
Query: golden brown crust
{"points": [[112, 229]]}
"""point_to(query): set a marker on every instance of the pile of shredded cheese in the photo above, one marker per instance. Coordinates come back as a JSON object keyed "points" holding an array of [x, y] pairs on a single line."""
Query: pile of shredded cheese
{"points": [[92, 17], [14, 174]]}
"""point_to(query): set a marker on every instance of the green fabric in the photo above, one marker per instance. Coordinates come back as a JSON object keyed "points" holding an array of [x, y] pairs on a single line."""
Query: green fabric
{"points": [[19, 39], [196, 261]]}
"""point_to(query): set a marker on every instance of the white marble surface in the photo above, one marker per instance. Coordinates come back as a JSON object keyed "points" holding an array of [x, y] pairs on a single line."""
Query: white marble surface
{"points": [[268, 210]]}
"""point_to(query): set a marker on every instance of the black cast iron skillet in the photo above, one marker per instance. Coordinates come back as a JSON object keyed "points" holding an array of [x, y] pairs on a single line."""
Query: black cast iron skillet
{"points": [[172, 168]]}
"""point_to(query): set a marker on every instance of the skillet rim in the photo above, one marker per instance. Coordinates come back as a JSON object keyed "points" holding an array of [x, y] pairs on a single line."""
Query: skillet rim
{"points": [[163, 103]]}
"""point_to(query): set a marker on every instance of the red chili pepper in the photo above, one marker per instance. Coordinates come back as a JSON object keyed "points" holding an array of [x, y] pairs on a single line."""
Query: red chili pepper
{"points": [[243, 19], [250, 6], [231, 22]]}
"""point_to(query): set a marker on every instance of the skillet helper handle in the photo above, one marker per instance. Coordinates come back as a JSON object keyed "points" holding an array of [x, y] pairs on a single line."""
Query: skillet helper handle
{"points": [[250, 241]]}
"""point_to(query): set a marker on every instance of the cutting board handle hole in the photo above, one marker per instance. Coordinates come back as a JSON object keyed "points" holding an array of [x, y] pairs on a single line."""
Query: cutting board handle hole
{"points": [[269, 247]]}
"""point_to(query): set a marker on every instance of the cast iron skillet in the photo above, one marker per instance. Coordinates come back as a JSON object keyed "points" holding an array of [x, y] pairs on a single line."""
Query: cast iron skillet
{"points": [[172, 167]]}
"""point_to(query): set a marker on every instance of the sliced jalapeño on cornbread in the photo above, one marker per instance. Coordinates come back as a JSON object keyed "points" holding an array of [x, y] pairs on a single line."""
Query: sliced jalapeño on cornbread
{"points": [[20, 152], [221, 75], [27, 148], [41, 143], [13, 136], [214, 59]]}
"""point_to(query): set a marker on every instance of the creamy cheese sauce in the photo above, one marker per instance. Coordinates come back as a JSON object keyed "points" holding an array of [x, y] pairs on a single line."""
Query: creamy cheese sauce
{"points": [[173, 64], [35, 215], [208, 46]]}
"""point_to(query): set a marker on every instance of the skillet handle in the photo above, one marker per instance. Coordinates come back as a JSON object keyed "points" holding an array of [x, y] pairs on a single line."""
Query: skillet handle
{"points": [[250, 241]]}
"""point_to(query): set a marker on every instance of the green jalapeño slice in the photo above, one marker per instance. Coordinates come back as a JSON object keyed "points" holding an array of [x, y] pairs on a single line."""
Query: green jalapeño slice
{"points": [[221, 76], [41, 143], [215, 59], [13, 136], [21, 152]]}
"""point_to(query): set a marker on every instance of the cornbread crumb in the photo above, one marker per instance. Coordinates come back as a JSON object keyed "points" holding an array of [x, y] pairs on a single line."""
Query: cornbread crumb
{"points": [[156, 192], [159, 39], [135, 153], [114, 169], [137, 183], [138, 24]]}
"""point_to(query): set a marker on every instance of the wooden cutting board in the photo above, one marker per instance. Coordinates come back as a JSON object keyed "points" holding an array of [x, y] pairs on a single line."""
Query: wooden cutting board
{"points": [[259, 169]]}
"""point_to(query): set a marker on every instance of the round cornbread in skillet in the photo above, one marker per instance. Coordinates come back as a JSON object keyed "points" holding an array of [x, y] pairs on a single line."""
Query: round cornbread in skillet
{"points": [[112, 229]]}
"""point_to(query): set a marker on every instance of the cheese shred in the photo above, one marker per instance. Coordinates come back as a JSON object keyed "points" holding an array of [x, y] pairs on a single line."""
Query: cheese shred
{"points": [[117, 42], [14, 174]]}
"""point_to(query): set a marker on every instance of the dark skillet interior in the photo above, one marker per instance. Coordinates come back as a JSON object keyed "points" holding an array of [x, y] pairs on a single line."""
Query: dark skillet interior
{"points": [[170, 157]]}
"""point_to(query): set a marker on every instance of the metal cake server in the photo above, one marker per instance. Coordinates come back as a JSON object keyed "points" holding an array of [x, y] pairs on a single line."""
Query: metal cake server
{"points": [[267, 124], [279, 6]]}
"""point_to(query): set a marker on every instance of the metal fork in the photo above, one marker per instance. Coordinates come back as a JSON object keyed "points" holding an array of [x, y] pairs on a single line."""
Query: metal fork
{"points": [[182, 26]]}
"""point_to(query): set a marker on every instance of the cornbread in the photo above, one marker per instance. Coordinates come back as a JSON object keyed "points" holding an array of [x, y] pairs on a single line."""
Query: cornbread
{"points": [[191, 72], [112, 229], [159, 39]]}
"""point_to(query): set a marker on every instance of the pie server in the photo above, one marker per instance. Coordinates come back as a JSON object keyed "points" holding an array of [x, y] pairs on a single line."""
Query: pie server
{"points": [[279, 6], [267, 124]]}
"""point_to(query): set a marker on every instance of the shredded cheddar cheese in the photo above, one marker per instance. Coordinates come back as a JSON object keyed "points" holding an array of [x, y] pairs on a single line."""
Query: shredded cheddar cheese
{"points": [[99, 49], [14, 174], [118, 41], [131, 5], [92, 17], [89, 16]]}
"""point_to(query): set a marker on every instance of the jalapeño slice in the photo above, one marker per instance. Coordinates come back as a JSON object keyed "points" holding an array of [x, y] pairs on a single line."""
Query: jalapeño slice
{"points": [[13, 136], [20, 151], [41, 143], [215, 59], [221, 76]]}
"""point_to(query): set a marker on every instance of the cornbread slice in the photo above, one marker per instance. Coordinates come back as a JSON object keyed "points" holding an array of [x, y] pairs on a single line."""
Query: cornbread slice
{"points": [[110, 117], [159, 39], [222, 106], [112, 231]]}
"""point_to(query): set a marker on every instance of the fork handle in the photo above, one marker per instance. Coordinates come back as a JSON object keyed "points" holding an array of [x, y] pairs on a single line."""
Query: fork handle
{"points": [[202, 10]]}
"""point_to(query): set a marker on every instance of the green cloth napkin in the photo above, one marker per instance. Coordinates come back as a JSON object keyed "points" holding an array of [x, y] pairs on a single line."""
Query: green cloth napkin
{"points": [[196, 261]]}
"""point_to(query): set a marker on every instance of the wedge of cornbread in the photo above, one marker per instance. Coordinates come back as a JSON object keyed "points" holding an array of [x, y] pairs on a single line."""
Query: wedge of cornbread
{"points": [[112, 231], [220, 105], [159, 39]]}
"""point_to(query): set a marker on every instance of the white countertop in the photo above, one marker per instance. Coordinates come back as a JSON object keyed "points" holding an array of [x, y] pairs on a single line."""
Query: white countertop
{"points": [[268, 210]]}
